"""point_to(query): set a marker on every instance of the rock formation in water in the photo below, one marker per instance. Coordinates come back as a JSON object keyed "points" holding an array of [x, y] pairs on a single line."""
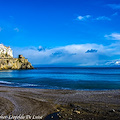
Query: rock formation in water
{"points": [[8, 62]]}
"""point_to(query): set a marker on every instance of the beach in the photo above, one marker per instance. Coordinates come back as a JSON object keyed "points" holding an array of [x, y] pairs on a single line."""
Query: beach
{"points": [[60, 60], [60, 104]]}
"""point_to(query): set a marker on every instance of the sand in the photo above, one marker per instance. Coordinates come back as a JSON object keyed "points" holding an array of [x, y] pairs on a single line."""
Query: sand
{"points": [[60, 104]]}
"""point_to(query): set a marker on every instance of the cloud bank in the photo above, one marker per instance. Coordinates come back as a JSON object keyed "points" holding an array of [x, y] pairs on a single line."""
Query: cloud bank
{"points": [[72, 54]]}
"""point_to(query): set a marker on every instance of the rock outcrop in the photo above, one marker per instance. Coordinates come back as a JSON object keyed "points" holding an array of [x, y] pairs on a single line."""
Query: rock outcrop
{"points": [[8, 62]]}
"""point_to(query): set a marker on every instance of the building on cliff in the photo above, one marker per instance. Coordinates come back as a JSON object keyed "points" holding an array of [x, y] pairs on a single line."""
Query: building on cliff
{"points": [[5, 52], [7, 61]]}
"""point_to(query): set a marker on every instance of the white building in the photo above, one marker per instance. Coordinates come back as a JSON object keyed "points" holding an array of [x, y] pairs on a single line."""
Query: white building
{"points": [[5, 50]]}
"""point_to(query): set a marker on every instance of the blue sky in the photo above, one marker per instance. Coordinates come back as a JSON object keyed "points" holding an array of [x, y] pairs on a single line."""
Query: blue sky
{"points": [[63, 32]]}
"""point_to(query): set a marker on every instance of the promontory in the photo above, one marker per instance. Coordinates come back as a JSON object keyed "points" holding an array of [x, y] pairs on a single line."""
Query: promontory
{"points": [[7, 61]]}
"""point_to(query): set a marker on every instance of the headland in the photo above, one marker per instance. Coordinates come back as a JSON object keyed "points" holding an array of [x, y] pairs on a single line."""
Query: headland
{"points": [[7, 61]]}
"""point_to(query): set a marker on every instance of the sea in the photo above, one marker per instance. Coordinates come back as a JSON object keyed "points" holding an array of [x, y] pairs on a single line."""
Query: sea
{"points": [[71, 78]]}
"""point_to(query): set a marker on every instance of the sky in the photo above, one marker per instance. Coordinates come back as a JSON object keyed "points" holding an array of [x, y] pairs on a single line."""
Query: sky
{"points": [[62, 32]]}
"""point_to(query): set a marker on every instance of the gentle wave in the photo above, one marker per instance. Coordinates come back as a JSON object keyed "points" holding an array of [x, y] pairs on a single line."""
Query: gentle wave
{"points": [[29, 85], [5, 82]]}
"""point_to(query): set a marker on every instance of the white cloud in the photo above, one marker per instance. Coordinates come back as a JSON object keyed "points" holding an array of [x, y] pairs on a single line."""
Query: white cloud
{"points": [[114, 6], [103, 18], [113, 62], [71, 54], [117, 62], [16, 29], [41, 48], [113, 36], [82, 18]]}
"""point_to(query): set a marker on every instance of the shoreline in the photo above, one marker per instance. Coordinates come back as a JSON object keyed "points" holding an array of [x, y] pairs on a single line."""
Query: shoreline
{"points": [[5, 84], [75, 104]]}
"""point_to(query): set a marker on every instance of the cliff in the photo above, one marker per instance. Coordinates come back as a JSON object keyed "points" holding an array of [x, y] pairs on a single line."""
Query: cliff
{"points": [[8, 62]]}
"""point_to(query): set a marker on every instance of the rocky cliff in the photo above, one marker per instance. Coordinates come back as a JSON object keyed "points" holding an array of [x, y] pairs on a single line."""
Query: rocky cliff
{"points": [[8, 62]]}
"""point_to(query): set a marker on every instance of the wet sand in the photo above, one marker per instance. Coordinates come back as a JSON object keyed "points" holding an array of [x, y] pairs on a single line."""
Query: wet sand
{"points": [[65, 104]]}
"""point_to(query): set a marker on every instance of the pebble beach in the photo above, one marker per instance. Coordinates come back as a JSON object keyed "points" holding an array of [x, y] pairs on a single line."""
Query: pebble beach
{"points": [[60, 104]]}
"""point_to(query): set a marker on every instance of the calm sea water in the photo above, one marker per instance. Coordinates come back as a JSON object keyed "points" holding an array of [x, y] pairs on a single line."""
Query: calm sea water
{"points": [[63, 78]]}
